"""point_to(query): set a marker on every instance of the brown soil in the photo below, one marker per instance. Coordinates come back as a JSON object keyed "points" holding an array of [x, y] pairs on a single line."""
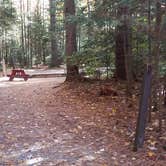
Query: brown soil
{"points": [[73, 124]]}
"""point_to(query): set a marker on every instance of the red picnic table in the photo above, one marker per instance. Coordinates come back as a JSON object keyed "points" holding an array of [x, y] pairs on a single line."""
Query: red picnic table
{"points": [[18, 73]]}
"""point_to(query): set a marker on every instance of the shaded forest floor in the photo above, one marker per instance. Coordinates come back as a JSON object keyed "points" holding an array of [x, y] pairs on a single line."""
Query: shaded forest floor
{"points": [[64, 124]]}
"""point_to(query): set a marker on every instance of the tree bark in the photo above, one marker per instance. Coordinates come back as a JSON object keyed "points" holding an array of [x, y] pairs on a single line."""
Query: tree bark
{"points": [[156, 57], [54, 51], [22, 34], [89, 30], [71, 45], [4, 67], [123, 45]]}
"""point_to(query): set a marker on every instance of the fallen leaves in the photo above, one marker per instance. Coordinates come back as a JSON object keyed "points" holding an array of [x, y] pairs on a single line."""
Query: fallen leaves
{"points": [[77, 123], [151, 154]]}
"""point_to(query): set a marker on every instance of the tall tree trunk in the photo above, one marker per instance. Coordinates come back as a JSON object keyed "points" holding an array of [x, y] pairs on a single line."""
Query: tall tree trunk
{"points": [[25, 35], [4, 67], [157, 102], [119, 51], [71, 45], [156, 56], [123, 45], [149, 54], [164, 90], [89, 24], [54, 51], [29, 29], [31, 46], [22, 33], [43, 43]]}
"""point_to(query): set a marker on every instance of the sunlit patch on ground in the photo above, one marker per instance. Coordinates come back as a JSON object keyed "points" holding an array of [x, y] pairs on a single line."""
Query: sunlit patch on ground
{"points": [[33, 161], [4, 81], [55, 152]]}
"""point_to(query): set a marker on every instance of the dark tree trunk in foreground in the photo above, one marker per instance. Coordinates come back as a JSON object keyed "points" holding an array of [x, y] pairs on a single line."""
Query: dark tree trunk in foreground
{"points": [[71, 45], [54, 51]]}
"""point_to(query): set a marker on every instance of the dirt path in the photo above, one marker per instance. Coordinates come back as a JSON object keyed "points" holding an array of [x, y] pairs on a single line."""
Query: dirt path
{"points": [[34, 132], [40, 128]]}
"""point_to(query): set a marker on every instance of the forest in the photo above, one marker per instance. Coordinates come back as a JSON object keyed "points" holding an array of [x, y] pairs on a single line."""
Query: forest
{"points": [[113, 57], [103, 33]]}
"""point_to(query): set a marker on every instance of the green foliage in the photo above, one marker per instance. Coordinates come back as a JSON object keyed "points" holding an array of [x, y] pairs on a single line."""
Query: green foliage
{"points": [[96, 53], [96, 29], [39, 36], [163, 68], [97, 50], [7, 15]]}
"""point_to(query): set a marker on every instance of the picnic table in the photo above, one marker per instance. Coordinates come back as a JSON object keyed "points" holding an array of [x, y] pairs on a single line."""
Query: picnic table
{"points": [[18, 73]]}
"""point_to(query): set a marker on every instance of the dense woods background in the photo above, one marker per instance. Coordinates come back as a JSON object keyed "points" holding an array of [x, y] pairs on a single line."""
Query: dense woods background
{"points": [[95, 38]]}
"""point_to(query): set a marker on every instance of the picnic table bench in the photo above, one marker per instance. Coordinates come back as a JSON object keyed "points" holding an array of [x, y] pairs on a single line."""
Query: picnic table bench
{"points": [[18, 73]]}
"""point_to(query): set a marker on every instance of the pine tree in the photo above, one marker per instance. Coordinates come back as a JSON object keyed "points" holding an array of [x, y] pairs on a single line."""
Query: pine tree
{"points": [[55, 58], [71, 46]]}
